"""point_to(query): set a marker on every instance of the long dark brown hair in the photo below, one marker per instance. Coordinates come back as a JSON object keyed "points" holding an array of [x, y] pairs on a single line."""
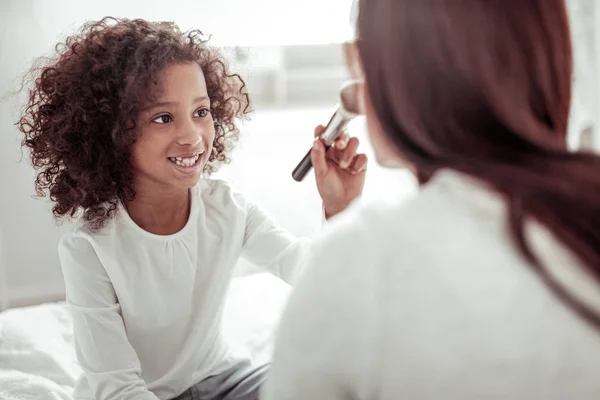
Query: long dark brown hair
{"points": [[484, 88]]}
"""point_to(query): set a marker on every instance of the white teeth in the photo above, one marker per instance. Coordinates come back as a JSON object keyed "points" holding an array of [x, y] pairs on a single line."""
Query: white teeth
{"points": [[185, 161]]}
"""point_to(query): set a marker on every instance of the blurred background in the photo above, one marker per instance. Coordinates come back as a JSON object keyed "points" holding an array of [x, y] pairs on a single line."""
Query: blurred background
{"points": [[290, 54]]}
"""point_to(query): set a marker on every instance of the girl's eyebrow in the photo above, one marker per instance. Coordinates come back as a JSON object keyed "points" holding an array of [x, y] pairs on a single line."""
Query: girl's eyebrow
{"points": [[171, 103]]}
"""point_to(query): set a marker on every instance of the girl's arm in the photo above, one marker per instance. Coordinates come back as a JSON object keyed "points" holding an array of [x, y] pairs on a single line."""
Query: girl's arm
{"points": [[268, 245], [109, 362]]}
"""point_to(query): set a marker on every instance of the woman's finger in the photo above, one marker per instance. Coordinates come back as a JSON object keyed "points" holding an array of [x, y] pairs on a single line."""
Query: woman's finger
{"points": [[336, 152], [341, 141], [349, 152], [359, 164], [343, 158], [319, 130]]}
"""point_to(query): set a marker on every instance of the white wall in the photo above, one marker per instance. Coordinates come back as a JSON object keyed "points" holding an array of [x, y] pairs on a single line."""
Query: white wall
{"points": [[29, 233], [231, 22]]}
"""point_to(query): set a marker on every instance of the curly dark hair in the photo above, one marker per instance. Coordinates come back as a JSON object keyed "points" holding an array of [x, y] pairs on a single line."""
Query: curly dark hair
{"points": [[79, 122]]}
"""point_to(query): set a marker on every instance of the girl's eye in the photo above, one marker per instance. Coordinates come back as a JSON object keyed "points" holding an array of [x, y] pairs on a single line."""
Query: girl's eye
{"points": [[162, 119], [203, 112]]}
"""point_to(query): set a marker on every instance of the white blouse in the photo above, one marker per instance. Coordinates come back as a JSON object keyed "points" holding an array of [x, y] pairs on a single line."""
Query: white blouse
{"points": [[147, 308]]}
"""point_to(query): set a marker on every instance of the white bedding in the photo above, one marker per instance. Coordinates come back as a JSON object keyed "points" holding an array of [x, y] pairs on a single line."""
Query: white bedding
{"points": [[37, 359]]}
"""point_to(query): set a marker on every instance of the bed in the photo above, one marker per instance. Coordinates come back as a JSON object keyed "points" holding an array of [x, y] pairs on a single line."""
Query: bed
{"points": [[37, 358]]}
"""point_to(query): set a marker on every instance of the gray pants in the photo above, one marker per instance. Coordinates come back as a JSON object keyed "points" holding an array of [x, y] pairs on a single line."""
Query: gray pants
{"points": [[242, 382]]}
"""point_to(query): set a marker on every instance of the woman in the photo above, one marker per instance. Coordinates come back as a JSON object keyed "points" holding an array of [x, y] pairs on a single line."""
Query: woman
{"points": [[487, 284]]}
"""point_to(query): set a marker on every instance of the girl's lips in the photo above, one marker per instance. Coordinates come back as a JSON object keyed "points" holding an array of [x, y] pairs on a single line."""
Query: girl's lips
{"points": [[190, 165]]}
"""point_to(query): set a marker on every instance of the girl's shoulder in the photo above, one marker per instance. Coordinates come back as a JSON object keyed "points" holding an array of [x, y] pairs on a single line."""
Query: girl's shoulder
{"points": [[82, 234]]}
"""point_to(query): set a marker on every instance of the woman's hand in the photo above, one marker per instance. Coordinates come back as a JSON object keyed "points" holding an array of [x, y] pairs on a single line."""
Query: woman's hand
{"points": [[339, 171]]}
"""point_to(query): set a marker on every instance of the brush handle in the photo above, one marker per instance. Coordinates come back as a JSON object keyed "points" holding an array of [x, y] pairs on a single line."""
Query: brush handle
{"points": [[302, 168], [334, 127]]}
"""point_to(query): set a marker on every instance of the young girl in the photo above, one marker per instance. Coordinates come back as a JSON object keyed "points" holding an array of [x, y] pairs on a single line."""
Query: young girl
{"points": [[121, 127]]}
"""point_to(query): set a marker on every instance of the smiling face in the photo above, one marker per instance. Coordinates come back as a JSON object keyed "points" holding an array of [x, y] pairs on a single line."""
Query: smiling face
{"points": [[175, 132]]}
